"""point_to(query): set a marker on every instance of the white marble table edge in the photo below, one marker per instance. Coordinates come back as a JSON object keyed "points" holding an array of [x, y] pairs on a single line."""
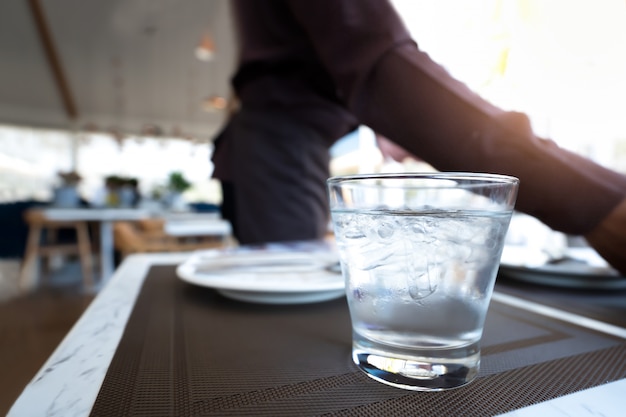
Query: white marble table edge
{"points": [[69, 382]]}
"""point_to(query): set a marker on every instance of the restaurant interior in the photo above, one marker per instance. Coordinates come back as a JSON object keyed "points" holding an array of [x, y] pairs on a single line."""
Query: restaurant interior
{"points": [[113, 106]]}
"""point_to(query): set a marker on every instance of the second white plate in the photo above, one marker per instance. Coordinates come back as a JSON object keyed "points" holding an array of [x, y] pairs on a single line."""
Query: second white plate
{"points": [[582, 268]]}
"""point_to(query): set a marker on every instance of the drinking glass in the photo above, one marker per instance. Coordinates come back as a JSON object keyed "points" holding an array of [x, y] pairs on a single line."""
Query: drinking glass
{"points": [[420, 253]]}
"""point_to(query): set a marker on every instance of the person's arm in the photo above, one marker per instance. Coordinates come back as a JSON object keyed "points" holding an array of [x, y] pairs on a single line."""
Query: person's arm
{"points": [[397, 90], [391, 150], [609, 238]]}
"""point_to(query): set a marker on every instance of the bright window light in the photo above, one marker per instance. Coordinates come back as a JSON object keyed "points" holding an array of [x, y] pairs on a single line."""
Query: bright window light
{"points": [[562, 62]]}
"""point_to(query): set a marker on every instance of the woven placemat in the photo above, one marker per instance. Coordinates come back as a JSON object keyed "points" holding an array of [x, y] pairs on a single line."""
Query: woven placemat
{"points": [[607, 305], [187, 351]]}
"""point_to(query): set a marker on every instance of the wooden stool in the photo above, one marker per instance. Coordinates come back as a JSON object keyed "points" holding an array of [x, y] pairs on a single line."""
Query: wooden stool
{"points": [[37, 222]]}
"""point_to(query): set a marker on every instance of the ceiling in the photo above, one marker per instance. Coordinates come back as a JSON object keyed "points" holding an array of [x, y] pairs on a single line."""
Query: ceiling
{"points": [[127, 64]]}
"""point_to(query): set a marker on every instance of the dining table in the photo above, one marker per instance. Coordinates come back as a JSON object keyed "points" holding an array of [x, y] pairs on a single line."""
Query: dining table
{"points": [[197, 226], [154, 343], [104, 217]]}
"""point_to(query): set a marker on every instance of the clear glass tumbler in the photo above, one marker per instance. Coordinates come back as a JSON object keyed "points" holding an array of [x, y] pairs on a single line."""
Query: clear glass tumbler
{"points": [[420, 253]]}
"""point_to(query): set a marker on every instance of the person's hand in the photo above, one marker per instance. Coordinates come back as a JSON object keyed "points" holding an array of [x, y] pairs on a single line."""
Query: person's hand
{"points": [[392, 150], [609, 238]]}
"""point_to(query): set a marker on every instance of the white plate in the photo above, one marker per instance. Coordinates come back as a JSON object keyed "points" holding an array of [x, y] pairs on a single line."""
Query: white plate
{"points": [[282, 298], [581, 268], [271, 275]]}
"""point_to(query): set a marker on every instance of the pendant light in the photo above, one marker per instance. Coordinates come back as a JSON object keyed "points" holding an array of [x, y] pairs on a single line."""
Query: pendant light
{"points": [[206, 49]]}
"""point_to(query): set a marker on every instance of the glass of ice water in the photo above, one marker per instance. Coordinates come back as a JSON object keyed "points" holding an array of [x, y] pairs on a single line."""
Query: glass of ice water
{"points": [[420, 253]]}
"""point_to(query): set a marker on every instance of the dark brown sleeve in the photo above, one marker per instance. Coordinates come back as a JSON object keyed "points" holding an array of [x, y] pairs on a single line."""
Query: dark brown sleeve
{"points": [[398, 91], [410, 100]]}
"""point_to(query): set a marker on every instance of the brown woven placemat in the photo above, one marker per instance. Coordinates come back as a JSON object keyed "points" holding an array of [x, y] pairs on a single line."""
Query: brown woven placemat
{"points": [[187, 351], [607, 305]]}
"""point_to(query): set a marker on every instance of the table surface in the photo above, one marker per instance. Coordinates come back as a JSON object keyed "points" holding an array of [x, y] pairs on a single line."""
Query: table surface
{"points": [[69, 382], [179, 224], [197, 227], [114, 213], [94, 214]]}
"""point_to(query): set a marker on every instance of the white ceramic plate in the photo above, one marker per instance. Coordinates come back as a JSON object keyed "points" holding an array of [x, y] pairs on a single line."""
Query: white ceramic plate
{"points": [[580, 268], [276, 275]]}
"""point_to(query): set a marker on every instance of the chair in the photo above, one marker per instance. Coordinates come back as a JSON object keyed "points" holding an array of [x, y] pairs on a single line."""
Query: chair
{"points": [[36, 248], [146, 236]]}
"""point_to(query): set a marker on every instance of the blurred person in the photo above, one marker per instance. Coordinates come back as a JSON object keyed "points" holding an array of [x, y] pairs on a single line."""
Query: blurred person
{"points": [[309, 72]]}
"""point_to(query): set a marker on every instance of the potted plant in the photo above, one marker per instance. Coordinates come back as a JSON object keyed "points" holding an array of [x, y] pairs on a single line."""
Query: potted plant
{"points": [[66, 194], [121, 191], [177, 184], [70, 178]]}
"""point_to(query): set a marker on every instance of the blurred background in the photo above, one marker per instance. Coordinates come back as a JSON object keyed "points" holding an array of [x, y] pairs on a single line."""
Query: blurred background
{"points": [[137, 89], [102, 97]]}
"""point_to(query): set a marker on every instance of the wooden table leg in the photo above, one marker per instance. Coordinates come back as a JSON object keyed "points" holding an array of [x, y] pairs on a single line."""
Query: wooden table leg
{"points": [[84, 250], [31, 256]]}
